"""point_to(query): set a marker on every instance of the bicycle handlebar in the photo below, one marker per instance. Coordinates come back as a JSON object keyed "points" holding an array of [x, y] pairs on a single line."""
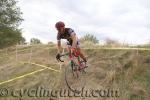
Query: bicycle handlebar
{"points": [[59, 57]]}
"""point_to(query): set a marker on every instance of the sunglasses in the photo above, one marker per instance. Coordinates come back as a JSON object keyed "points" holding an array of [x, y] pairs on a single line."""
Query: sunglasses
{"points": [[59, 29]]}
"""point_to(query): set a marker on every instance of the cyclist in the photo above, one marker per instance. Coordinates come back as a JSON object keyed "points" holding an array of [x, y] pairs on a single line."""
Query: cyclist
{"points": [[71, 37]]}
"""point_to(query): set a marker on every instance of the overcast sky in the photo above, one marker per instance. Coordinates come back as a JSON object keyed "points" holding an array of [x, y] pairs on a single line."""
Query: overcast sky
{"points": [[124, 20]]}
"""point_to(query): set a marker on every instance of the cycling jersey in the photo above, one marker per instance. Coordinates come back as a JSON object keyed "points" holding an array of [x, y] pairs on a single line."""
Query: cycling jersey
{"points": [[67, 35]]}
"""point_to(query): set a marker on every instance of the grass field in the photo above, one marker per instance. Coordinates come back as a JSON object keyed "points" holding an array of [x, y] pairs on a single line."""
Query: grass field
{"points": [[124, 70]]}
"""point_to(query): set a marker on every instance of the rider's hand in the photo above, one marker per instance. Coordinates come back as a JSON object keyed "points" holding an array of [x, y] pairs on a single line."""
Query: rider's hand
{"points": [[58, 56]]}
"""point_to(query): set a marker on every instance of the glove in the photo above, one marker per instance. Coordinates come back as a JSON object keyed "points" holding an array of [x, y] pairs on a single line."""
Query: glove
{"points": [[58, 56]]}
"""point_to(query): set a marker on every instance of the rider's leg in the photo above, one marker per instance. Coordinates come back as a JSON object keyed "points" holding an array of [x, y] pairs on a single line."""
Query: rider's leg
{"points": [[68, 49], [81, 54]]}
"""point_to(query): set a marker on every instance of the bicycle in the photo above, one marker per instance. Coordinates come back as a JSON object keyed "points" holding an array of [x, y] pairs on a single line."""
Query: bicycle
{"points": [[76, 67]]}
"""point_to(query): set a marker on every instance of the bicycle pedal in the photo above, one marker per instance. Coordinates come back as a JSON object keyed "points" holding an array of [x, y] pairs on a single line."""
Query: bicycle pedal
{"points": [[86, 66], [80, 69], [74, 70], [84, 71], [83, 68]]}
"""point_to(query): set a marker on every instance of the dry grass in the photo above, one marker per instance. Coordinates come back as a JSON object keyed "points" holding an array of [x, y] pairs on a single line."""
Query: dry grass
{"points": [[128, 71]]}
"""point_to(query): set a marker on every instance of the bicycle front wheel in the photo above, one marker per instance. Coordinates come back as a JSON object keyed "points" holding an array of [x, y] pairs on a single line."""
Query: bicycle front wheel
{"points": [[75, 79]]}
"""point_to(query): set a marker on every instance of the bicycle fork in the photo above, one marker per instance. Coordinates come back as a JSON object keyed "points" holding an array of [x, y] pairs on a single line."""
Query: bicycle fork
{"points": [[74, 69]]}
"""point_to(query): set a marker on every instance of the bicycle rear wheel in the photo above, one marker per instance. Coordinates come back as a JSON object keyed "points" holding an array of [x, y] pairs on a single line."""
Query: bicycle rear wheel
{"points": [[75, 79]]}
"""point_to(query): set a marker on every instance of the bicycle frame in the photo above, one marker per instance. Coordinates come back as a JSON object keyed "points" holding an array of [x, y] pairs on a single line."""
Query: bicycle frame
{"points": [[73, 58]]}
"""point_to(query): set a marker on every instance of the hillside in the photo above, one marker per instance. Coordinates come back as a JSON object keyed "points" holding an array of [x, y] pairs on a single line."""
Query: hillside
{"points": [[127, 71]]}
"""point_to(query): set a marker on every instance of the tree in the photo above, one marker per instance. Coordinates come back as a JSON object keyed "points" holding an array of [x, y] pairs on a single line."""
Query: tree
{"points": [[51, 43], [9, 36], [10, 19], [111, 42], [89, 38], [10, 14], [35, 41], [23, 41]]}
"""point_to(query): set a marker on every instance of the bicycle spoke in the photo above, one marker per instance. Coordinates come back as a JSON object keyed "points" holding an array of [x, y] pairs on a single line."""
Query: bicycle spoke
{"points": [[76, 82]]}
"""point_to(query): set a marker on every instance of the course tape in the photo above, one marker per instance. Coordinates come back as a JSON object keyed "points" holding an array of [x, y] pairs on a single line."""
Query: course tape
{"points": [[41, 66], [19, 77], [148, 49], [31, 73], [102, 48], [121, 48]]}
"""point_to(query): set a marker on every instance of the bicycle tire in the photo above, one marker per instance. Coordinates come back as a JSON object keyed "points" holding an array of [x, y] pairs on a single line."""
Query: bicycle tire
{"points": [[73, 80]]}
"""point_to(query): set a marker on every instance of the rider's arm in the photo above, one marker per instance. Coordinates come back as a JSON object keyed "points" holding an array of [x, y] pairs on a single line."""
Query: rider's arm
{"points": [[59, 46], [74, 38], [59, 43]]}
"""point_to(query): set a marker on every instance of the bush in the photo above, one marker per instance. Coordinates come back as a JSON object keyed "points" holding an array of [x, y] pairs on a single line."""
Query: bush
{"points": [[89, 38]]}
